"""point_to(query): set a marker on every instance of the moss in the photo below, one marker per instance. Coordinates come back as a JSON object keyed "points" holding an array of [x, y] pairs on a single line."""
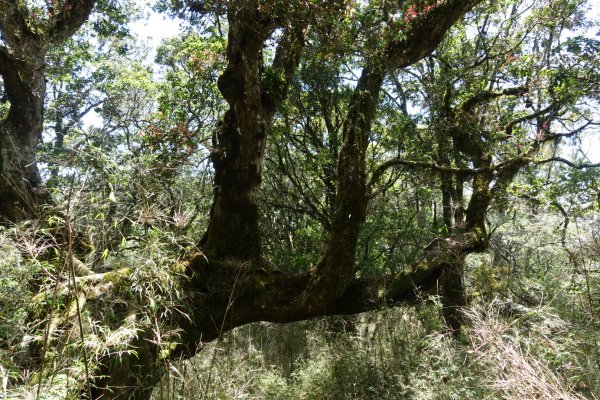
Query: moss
{"points": [[117, 276], [166, 349], [273, 82], [180, 266]]}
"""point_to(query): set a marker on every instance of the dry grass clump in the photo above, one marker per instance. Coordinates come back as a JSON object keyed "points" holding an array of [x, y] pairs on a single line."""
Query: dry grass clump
{"points": [[512, 371]]}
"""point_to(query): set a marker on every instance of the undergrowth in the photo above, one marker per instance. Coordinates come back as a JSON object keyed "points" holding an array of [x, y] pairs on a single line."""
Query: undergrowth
{"points": [[399, 354], [531, 333], [531, 330]]}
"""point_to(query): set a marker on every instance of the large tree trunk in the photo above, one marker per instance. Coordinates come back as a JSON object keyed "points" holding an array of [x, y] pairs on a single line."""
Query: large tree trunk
{"points": [[22, 58], [21, 187], [238, 144]]}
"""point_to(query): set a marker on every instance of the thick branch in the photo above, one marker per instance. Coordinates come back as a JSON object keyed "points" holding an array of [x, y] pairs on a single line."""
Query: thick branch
{"points": [[426, 32], [482, 97], [408, 285], [232, 294], [287, 58], [69, 18], [13, 23], [413, 164]]}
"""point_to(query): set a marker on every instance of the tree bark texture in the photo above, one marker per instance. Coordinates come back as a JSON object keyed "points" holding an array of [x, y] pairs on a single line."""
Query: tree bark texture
{"points": [[21, 187], [238, 144]]}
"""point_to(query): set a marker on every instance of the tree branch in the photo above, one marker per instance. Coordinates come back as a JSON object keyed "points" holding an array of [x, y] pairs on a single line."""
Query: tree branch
{"points": [[69, 18], [379, 171], [509, 128], [408, 285], [481, 97], [548, 138], [426, 32], [287, 58], [567, 162]]}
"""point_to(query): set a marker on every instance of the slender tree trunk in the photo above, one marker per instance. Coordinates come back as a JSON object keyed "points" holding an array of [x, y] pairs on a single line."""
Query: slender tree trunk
{"points": [[350, 205], [238, 145]]}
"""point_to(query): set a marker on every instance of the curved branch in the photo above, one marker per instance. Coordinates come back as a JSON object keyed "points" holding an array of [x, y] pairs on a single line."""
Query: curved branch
{"points": [[551, 108], [380, 170], [426, 32], [267, 295], [567, 162], [408, 285], [481, 97], [549, 138]]}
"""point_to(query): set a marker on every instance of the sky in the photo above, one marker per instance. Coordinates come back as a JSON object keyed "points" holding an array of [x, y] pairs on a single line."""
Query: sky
{"points": [[154, 29]]}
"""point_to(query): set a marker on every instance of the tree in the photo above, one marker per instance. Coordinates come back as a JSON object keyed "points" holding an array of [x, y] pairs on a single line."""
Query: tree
{"points": [[471, 90], [27, 35], [32, 37]]}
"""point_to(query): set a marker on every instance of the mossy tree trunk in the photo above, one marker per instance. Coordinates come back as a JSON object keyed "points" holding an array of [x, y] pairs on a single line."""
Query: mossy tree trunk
{"points": [[21, 188], [253, 95], [23, 50]]}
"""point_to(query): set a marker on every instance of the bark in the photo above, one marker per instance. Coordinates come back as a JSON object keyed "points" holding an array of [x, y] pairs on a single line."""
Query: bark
{"points": [[446, 181], [458, 201], [451, 282], [350, 205], [238, 145], [454, 296]]}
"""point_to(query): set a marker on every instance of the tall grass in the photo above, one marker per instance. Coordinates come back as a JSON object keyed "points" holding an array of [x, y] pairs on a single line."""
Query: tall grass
{"points": [[514, 372]]}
